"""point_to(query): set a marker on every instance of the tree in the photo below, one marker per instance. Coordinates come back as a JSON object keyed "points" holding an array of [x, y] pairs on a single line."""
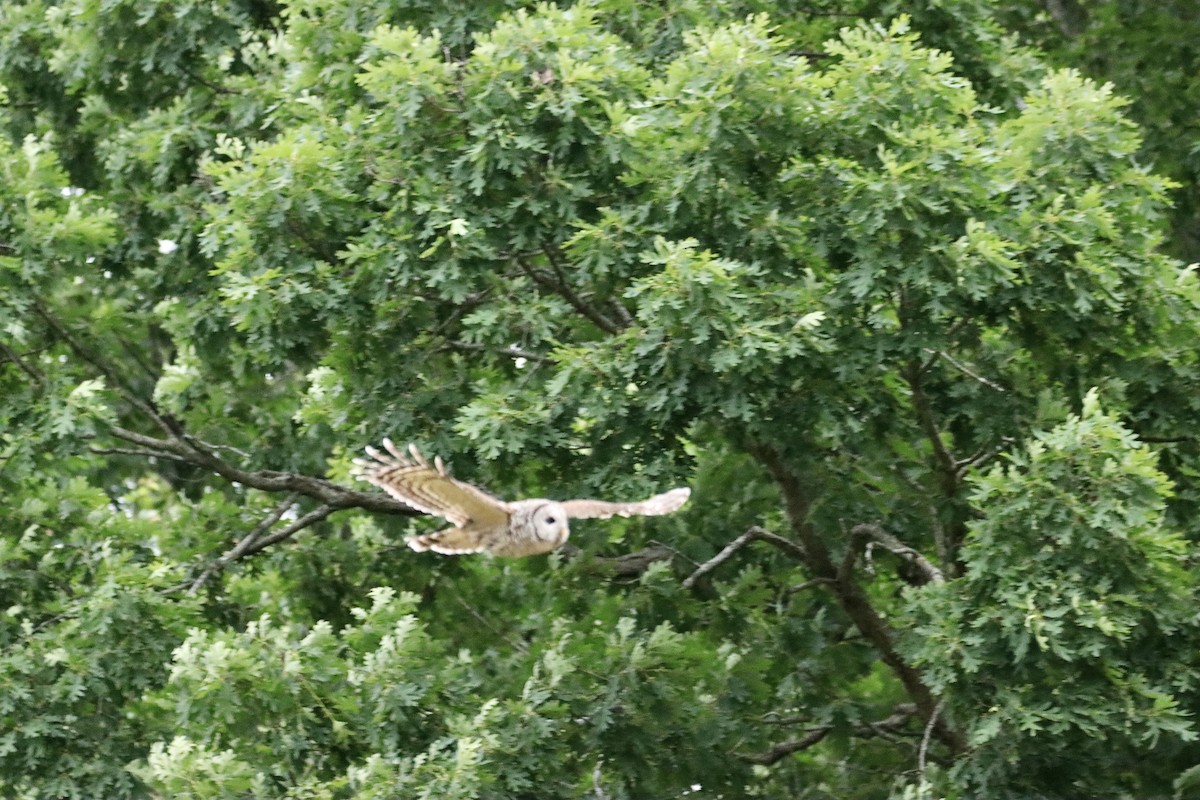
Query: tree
{"points": [[886, 291], [1148, 50]]}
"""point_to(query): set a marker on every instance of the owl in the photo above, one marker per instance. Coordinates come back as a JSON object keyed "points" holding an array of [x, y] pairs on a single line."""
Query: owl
{"points": [[482, 522]]}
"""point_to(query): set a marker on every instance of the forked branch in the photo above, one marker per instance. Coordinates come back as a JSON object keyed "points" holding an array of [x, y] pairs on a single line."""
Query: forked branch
{"points": [[754, 534]]}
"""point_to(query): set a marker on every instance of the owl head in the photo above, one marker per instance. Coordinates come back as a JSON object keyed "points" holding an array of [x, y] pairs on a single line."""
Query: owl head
{"points": [[549, 522]]}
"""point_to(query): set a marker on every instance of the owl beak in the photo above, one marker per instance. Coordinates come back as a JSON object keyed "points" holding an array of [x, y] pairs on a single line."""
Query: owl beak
{"points": [[563, 535]]}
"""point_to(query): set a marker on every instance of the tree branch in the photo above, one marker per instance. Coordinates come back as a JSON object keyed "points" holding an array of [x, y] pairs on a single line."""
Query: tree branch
{"points": [[752, 535], [878, 535], [785, 749], [1167, 439], [27, 368], [181, 446], [113, 377], [627, 565], [239, 549], [133, 451], [328, 492], [885, 728], [924, 750], [947, 466], [850, 595], [311, 518], [558, 284], [963, 368]]}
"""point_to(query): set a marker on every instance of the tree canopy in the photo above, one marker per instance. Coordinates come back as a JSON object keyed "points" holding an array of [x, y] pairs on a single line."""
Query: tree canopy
{"points": [[895, 288]]}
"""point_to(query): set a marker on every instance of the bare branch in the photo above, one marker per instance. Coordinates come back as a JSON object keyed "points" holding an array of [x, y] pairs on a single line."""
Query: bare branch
{"points": [[1071, 17], [753, 534], [598, 791], [622, 312], [517, 644], [963, 368], [461, 309], [326, 491], [878, 535], [890, 726], [886, 728], [929, 726], [853, 600], [632, 565], [196, 441], [311, 518], [558, 284], [802, 587], [1167, 439], [25, 366], [784, 749], [947, 465], [133, 451], [982, 456], [113, 377], [628, 565], [239, 549]]}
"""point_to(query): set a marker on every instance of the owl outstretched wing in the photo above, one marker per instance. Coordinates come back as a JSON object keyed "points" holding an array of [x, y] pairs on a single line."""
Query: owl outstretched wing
{"points": [[428, 487], [656, 506]]}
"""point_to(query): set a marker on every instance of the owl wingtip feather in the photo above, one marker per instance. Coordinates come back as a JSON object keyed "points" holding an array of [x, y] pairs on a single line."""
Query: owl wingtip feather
{"points": [[416, 455], [675, 498]]}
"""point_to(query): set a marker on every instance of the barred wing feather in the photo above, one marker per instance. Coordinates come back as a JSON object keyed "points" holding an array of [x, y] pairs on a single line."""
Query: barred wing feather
{"points": [[428, 487]]}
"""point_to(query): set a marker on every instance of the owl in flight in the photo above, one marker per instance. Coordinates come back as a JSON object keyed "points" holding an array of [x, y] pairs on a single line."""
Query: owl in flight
{"points": [[482, 522]]}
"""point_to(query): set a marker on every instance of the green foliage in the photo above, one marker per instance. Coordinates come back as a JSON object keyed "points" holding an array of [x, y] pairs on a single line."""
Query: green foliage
{"points": [[382, 709], [1114, 40], [824, 262], [1070, 637], [85, 632]]}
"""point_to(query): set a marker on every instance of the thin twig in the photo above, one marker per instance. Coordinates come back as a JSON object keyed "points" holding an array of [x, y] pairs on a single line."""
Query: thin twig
{"points": [[948, 466], [114, 378], [753, 534], [239, 549], [316, 515], [463, 307], [517, 644], [560, 287], [924, 749], [784, 749], [133, 451], [26, 367], [791, 590], [321, 489], [982, 456], [196, 441], [887, 728], [963, 368]]}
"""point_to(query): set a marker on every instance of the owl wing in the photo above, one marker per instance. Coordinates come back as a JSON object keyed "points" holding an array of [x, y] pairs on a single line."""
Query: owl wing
{"points": [[428, 487], [656, 506]]}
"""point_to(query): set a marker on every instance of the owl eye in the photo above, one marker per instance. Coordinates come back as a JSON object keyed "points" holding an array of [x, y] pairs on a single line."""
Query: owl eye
{"points": [[550, 520]]}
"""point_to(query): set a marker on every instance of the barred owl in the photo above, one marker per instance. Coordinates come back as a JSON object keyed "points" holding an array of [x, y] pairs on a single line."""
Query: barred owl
{"points": [[483, 522]]}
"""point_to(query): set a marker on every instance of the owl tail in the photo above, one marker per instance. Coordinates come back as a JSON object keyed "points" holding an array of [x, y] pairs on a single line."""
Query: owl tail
{"points": [[450, 542]]}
